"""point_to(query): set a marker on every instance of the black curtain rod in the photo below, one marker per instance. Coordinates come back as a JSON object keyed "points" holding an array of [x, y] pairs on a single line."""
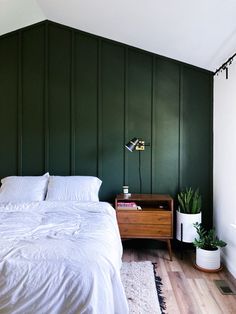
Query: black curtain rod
{"points": [[223, 67]]}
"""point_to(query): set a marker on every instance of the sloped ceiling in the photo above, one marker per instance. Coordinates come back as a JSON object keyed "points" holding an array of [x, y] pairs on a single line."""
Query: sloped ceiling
{"points": [[15, 14], [201, 33]]}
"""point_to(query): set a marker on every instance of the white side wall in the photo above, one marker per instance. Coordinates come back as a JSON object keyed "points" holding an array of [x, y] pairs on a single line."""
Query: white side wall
{"points": [[224, 172]]}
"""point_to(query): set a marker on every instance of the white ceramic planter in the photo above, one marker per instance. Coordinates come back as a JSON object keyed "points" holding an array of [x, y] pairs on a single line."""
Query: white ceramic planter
{"points": [[189, 232], [209, 260]]}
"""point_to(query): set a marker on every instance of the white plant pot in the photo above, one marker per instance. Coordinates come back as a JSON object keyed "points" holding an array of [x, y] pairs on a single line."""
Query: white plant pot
{"points": [[187, 220], [208, 259]]}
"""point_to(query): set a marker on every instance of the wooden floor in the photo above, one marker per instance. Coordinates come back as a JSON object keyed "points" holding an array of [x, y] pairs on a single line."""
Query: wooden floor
{"points": [[186, 289]]}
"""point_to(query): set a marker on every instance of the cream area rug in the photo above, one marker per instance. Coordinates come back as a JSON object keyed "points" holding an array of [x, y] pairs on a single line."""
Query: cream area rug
{"points": [[142, 288]]}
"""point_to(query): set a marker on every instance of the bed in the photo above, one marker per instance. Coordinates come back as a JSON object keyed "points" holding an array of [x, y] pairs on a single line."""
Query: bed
{"points": [[60, 256]]}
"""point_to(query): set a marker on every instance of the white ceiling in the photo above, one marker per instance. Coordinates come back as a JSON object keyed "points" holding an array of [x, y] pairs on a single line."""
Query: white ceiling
{"points": [[198, 32]]}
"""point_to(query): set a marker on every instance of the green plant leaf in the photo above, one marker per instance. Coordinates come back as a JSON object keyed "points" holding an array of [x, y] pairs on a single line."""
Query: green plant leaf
{"points": [[189, 201], [207, 239]]}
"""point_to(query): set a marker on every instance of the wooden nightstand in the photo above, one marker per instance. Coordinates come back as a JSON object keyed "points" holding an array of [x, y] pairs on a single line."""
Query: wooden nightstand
{"points": [[153, 221]]}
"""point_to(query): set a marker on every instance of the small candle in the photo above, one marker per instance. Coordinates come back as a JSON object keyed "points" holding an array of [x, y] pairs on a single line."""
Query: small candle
{"points": [[125, 189]]}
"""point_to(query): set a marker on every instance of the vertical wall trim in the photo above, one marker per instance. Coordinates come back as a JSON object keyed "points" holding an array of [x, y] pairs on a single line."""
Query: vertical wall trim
{"points": [[72, 104], [46, 83], [211, 152], [19, 105], [125, 157], [180, 127], [152, 121], [99, 110]]}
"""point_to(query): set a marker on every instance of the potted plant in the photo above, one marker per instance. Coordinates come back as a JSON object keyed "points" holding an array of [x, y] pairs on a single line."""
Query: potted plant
{"points": [[188, 213], [207, 249]]}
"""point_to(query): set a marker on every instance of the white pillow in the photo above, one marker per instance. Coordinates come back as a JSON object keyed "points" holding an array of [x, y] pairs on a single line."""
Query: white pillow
{"points": [[24, 189], [73, 188]]}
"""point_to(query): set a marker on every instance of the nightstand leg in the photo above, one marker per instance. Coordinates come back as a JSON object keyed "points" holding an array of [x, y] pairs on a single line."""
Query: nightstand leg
{"points": [[169, 249]]}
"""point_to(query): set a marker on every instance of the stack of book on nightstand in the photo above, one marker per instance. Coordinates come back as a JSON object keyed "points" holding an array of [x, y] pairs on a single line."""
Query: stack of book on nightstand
{"points": [[127, 205]]}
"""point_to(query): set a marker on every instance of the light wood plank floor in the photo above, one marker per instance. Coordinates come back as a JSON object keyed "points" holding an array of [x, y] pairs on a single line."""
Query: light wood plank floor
{"points": [[186, 289]]}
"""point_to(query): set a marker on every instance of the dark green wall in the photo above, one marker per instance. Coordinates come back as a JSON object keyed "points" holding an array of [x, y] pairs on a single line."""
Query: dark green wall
{"points": [[69, 101]]}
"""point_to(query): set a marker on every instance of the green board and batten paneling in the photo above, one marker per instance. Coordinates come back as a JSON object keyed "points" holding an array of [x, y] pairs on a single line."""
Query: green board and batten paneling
{"points": [[9, 99], [69, 101]]}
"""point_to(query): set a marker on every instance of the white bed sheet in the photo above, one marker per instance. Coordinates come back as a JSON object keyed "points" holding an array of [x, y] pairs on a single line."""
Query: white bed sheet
{"points": [[60, 257]]}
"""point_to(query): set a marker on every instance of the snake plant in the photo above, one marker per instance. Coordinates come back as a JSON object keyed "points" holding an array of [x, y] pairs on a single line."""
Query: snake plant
{"points": [[190, 201]]}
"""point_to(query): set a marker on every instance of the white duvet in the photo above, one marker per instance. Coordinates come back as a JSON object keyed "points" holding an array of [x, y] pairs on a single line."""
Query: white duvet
{"points": [[60, 257]]}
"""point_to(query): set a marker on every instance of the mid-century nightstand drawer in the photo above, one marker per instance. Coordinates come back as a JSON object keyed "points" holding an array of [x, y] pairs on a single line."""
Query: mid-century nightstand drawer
{"points": [[144, 231], [144, 217]]}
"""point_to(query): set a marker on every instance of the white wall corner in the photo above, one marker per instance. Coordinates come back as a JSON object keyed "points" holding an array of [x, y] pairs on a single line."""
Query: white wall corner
{"points": [[224, 166], [229, 264]]}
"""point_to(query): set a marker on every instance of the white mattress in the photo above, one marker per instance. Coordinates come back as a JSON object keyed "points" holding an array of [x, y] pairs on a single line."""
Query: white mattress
{"points": [[60, 257]]}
